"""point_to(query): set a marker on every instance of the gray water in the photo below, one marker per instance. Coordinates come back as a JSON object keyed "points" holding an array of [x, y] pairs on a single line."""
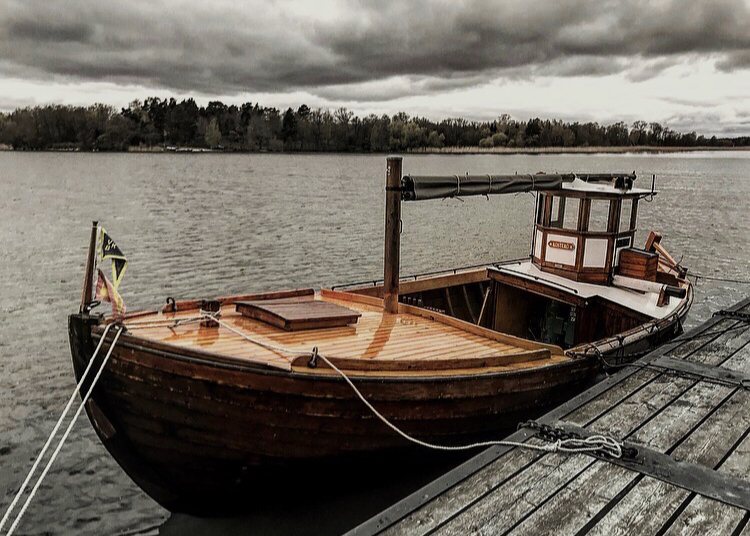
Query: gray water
{"points": [[198, 226]]}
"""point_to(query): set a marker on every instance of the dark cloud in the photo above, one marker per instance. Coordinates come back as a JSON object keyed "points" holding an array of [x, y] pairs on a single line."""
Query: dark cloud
{"points": [[736, 60], [226, 47], [50, 32]]}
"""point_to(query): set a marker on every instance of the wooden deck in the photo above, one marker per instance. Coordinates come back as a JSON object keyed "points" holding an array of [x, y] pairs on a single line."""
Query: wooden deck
{"points": [[685, 409], [378, 340]]}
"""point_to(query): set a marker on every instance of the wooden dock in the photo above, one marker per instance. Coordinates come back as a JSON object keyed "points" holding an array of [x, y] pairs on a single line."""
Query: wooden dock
{"points": [[683, 414]]}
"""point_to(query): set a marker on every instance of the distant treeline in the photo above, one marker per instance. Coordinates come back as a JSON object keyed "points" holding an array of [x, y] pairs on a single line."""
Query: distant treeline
{"points": [[167, 124]]}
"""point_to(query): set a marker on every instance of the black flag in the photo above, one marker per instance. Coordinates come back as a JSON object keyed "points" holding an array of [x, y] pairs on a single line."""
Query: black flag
{"points": [[110, 250]]}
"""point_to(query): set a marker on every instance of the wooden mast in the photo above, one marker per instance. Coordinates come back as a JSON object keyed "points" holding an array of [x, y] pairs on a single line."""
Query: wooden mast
{"points": [[88, 278], [392, 233]]}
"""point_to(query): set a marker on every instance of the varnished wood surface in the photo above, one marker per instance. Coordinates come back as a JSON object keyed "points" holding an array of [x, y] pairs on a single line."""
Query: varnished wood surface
{"points": [[513, 491], [200, 432], [298, 314], [414, 341]]}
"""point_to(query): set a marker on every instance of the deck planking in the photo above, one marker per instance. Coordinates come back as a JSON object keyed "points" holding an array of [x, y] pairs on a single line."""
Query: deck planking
{"points": [[692, 419], [375, 337]]}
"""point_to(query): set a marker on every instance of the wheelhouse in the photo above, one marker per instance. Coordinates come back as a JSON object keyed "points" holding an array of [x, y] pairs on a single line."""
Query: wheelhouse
{"points": [[581, 229]]}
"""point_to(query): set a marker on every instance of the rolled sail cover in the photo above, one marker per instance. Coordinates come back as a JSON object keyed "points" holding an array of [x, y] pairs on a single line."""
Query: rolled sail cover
{"points": [[419, 188]]}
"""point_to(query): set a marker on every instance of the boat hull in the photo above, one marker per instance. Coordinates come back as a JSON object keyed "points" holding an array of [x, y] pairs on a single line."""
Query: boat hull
{"points": [[203, 436], [198, 436]]}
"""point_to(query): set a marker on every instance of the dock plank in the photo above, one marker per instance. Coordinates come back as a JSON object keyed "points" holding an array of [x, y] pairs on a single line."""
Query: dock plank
{"points": [[739, 361], [604, 402], [446, 505], [552, 472], [705, 516], [583, 498], [687, 416], [500, 511], [649, 398], [696, 341], [626, 517], [641, 406], [718, 351]]}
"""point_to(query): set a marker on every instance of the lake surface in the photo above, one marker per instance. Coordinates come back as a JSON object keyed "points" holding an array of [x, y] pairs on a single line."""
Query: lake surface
{"points": [[198, 226]]}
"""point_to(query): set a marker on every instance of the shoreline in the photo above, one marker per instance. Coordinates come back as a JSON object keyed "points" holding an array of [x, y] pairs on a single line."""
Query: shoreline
{"points": [[635, 149], [641, 149]]}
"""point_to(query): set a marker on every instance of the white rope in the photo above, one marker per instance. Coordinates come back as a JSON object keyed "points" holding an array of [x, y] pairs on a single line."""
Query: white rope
{"points": [[590, 444], [594, 443], [54, 432], [165, 323], [52, 459], [279, 349]]}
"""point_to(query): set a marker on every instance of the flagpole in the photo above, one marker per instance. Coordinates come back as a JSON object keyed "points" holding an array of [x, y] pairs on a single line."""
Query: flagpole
{"points": [[88, 278]]}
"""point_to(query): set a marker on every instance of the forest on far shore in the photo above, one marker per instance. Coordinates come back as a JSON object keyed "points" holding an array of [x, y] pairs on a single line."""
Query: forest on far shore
{"points": [[165, 124]]}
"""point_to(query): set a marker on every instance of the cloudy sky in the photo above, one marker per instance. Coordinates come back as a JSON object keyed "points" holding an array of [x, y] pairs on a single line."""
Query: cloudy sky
{"points": [[684, 63]]}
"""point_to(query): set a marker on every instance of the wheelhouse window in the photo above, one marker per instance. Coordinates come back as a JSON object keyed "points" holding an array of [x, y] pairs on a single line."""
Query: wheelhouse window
{"points": [[564, 214], [570, 220], [599, 215], [558, 211]]}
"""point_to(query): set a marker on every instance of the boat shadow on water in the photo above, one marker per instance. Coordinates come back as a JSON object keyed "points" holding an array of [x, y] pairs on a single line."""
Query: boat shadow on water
{"points": [[332, 498], [336, 498]]}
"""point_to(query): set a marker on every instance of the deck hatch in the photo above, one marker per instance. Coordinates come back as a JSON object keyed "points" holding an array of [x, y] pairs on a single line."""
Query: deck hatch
{"points": [[299, 313]]}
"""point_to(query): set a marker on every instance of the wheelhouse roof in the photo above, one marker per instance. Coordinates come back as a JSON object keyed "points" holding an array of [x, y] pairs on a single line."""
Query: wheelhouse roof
{"points": [[604, 188]]}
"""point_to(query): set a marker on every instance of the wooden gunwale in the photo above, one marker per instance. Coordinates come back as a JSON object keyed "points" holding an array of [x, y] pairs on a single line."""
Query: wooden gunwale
{"points": [[385, 388], [203, 364], [452, 362], [489, 363], [440, 281], [227, 300]]}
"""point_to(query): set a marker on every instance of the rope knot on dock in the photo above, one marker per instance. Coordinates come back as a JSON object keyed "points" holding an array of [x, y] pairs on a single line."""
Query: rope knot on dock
{"points": [[561, 440]]}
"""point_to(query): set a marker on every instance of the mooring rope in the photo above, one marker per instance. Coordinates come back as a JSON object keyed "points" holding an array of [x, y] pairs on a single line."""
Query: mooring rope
{"points": [[56, 452], [720, 279], [54, 432], [595, 443]]}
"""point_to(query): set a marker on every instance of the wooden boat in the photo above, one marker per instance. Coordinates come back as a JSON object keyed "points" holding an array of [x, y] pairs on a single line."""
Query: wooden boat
{"points": [[203, 412]]}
